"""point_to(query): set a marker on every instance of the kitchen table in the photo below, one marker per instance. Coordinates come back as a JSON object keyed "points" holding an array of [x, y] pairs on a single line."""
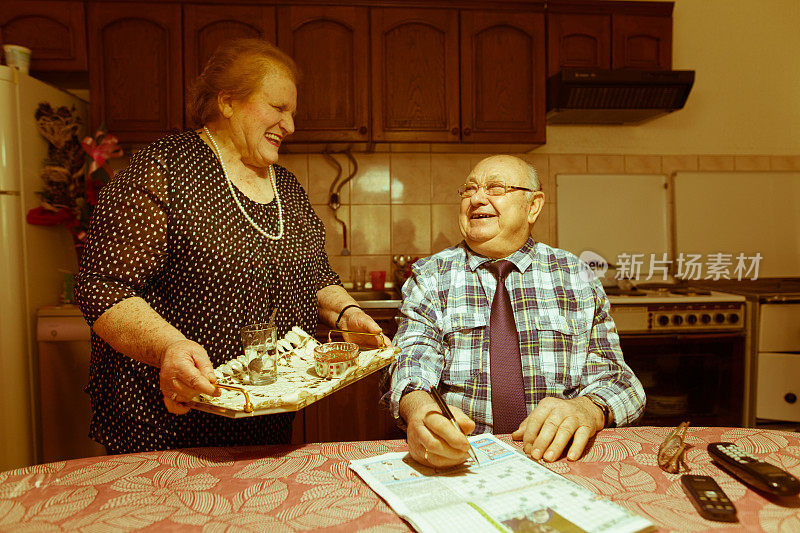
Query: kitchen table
{"points": [[309, 487]]}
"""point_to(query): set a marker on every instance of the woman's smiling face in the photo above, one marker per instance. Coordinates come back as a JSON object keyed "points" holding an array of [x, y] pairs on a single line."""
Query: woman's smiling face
{"points": [[259, 123]]}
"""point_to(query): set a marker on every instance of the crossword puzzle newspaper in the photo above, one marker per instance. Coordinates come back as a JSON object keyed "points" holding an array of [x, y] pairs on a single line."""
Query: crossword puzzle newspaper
{"points": [[507, 491]]}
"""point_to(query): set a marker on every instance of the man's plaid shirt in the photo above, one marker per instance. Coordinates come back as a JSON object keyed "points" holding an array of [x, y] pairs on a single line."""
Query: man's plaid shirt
{"points": [[568, 340]]}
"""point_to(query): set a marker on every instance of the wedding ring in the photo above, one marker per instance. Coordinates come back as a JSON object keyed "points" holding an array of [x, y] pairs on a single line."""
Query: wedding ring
{"points": [[426, 454], [174, 395]]}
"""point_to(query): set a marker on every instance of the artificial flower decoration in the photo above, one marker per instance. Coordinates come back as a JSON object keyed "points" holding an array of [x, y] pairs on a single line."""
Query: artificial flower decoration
{"points": [[73, 173]]}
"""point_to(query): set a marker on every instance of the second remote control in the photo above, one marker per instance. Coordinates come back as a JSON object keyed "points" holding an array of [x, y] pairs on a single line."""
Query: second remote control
{"points": [[707, 497], [753, 471]]}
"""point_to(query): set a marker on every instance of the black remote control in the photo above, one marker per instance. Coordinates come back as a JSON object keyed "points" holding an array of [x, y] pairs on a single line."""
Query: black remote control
{"points": [[753, 471], [708, 498]]}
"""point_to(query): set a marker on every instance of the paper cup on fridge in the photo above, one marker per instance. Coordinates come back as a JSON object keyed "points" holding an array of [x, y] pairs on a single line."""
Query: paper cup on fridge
{"points": [[18, 57]]}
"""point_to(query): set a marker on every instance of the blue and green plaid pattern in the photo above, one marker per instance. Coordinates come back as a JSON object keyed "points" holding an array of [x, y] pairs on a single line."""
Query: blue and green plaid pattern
{"points": [[568, 340]]}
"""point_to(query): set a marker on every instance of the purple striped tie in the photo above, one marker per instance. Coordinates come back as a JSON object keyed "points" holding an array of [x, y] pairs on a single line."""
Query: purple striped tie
{"points": [[505, 361]]}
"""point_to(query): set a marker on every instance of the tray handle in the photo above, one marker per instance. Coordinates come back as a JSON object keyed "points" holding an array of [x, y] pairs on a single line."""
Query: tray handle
{"points": [[248, 407], [378, 335]]}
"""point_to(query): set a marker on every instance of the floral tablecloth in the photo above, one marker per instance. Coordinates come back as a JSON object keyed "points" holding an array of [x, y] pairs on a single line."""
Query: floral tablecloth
{"points": [[310, 487]]}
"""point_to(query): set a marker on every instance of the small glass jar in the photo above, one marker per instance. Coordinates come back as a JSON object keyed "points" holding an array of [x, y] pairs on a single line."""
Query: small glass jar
{"points": [[332, 359]]}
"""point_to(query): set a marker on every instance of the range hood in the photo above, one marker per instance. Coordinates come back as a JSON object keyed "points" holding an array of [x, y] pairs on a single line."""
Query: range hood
{"points": [[592, 96]]}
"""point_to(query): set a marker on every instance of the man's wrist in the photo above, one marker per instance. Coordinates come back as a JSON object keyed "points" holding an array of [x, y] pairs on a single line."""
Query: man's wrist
{"points": [[407, 406], [603, 406]]}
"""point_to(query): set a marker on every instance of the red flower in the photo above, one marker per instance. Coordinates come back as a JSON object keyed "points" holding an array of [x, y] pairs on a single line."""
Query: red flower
{"points": [[44, 217], [92, 190]]}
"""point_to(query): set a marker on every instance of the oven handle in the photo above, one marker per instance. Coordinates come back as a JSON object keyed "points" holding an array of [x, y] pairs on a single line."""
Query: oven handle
{"points": [[683, 336]]}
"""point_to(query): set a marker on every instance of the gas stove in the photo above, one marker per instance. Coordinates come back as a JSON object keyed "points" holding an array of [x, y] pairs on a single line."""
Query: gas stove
{"points": [[675, 309], [768, 290]]}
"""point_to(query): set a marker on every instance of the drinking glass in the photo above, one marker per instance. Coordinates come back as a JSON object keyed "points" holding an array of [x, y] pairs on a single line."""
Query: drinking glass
{"points": [[261, 353], [378, 278], [359, 274]]}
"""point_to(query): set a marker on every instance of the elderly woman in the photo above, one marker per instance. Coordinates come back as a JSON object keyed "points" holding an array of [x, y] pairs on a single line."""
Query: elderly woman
{"points": [[202, 235]]}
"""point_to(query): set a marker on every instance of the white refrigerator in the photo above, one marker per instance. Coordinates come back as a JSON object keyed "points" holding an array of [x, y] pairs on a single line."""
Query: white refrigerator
{"points": [[32, 258]]}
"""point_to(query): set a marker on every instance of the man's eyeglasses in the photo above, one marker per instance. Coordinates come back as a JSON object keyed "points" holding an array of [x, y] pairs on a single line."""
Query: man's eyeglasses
{"points": [[492, 188], [670, 453]]}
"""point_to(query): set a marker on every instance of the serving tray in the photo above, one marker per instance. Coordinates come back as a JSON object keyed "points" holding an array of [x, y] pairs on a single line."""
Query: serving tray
{"points": [[297, 386]]}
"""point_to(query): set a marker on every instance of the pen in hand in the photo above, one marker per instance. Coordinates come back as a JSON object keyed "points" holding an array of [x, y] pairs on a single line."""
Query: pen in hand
{"points": [[449, 415]]}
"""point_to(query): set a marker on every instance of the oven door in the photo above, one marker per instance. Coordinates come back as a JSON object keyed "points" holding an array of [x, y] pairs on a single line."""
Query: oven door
{"points": [[695, 377]]}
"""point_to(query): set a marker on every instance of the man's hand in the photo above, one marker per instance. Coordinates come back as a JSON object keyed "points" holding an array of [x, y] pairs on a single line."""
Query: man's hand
{"points": [[547, 430], [433, 440], [186, 371]]}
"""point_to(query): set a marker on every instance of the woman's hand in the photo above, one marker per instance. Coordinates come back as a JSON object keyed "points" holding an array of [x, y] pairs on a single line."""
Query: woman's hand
{"points": [[355, 319], [432, 438], [186, 371]]}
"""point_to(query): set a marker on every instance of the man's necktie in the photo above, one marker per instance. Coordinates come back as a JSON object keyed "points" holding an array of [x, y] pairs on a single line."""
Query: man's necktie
{"points": [[505, 362]]}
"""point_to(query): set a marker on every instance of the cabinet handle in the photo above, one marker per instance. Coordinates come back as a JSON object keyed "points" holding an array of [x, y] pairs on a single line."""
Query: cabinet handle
{"points": [[362, 130], [467, 131], [454, 131], [790, 397]]}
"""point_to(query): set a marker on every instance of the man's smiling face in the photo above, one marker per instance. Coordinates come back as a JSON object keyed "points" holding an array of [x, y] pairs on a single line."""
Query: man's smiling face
{"points": [[497, 226]]}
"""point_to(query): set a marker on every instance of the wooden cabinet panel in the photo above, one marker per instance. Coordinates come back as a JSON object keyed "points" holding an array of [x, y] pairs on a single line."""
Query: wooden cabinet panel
{"points": [[352, 413], [136, 77], [415, 78], [205, 27], [502, 77], [641, 42], [54, 31], [330, 46], [578, 41]]}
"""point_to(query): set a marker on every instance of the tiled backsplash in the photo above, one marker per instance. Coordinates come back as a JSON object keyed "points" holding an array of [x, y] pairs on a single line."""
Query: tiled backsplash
{"points": [[405, 203]]}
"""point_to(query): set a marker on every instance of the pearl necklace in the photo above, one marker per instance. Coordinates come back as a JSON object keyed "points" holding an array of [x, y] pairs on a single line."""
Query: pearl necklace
{"points": [[236, 199]]}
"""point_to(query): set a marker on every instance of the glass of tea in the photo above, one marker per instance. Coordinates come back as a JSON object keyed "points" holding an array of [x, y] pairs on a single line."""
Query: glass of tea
{"points": [[261, 353]]}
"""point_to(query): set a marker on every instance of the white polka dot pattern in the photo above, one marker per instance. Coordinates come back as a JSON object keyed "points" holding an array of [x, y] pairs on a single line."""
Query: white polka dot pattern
{"points": [[167, 230]]}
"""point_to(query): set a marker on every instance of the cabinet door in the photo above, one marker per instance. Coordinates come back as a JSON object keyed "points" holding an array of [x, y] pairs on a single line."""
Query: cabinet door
{"points": [[641, 42], [578, 41], [206, 26], [415, 75], [136, 77], [353, 413], [502, 77], [54, 31], [330, 46]]}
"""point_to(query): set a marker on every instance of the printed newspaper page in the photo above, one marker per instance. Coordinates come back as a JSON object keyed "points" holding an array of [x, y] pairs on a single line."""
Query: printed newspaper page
{"points": [[507, 491]]}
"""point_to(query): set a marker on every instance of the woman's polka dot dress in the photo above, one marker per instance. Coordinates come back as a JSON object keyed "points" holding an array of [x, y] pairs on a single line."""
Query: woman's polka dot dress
{"points": [[167, 230]]}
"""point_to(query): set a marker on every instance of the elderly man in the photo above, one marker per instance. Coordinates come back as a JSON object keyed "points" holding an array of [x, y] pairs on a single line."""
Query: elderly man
{"points": [[515, 334]]}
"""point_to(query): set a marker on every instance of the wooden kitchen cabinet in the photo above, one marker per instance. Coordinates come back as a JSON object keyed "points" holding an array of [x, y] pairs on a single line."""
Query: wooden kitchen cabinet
{"points": [[54, 31], [330, 45], [415, 78], [136, 77], [616, 35], [458, 76], [352, 413], [641, 42], [502, 77], [206, 26], [578, 41]]}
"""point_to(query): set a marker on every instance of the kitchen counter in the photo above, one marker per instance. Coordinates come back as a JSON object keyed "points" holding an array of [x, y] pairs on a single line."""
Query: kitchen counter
{"points": [[388, 298], [379, 304]]}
